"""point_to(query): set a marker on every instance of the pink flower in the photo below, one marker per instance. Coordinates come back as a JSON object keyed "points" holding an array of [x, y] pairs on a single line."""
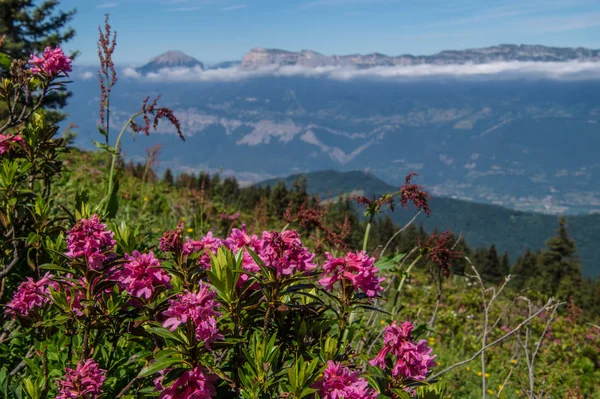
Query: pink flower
{"points": [[357, 268], [206, 244], [52, 62], [284, 253], [83, 382], [142, 275], [341, 383], [196, 308], [193, 384], [412, 359], [89, 239], [8, 140], [239, 239], [31, 295]]}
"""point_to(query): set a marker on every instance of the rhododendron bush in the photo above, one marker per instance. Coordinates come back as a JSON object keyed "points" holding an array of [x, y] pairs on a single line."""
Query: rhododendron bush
{"points": [[92, 308], [184, 317]]}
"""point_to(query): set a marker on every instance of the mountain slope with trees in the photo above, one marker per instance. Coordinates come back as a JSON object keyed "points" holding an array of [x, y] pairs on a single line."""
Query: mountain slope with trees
{"points": [[480, 224]]}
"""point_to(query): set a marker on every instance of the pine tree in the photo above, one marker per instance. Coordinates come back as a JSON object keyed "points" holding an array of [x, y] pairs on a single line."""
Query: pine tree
{"points": [[278, 201], [168, 178], [490, 269], [29, 26], [505, 264], [559, 266], [525, 270]]}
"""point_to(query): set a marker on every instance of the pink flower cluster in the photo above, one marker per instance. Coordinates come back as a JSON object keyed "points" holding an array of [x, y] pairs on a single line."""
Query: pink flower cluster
{"points": [[413, 359], [30, 295], [199, 308], [284, 253], [7, 140], [206, 244], [142, 275], [341, 383], [83, 382], [239, 239], [193, 384], [357, 268], [91, 240], [52, 62]]}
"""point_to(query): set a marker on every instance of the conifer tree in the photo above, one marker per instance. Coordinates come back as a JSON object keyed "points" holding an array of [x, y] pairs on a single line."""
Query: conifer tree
{"points": [[278, 201], [168, 178], [525, 270], [559, 266], [505, 264], [490, 269]]}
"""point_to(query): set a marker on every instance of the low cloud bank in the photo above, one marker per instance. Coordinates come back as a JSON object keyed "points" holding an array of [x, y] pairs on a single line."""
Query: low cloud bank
{"points": [[572, 70]]}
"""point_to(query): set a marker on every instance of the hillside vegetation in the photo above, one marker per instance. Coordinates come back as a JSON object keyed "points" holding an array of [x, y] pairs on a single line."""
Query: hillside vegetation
{"points": [[480, 224]]}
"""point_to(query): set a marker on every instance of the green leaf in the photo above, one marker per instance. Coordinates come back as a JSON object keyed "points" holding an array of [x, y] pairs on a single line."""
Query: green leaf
{"points": [[158, 365], [5, 61]]}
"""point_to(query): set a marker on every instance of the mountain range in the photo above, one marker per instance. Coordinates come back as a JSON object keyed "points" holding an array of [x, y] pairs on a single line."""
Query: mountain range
{"points": [[480, 224], [529, 143], [262, 57]]}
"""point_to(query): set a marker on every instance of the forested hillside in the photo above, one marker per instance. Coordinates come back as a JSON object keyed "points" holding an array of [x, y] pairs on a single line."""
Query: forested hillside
{"points": [[480, 224]]}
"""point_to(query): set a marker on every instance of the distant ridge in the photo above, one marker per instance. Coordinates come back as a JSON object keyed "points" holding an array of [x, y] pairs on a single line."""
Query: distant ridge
{"points": [[480, 224], [264, 57], [261, 57], [170, 59]]}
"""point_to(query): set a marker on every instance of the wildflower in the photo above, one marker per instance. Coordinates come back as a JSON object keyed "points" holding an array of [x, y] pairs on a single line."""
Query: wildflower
{"points": [[83, 382], [142, 274], [357, 268], [284, 253], [238, 240], [518, 392], [206, 243], [197, 308], [468, 368], [171, 241], [52, 62], [340, 382], [312, 218], [90, 239], [30, 295], [7, 140], [415, 194], [500, 387], [440, 252], [190, 230], [487, 375], [490, 391], [196, 384], [514, 361], [479, 374], [413, 359]]}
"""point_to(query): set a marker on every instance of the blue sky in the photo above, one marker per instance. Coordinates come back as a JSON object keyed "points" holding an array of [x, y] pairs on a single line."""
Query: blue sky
{"points": [[220, 30]]}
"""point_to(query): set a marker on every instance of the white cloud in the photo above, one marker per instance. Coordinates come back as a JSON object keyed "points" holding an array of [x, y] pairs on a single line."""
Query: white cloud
{"points": [[107, 5], [87, 75], [572, 70], [190, 8], [234, 7]]}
